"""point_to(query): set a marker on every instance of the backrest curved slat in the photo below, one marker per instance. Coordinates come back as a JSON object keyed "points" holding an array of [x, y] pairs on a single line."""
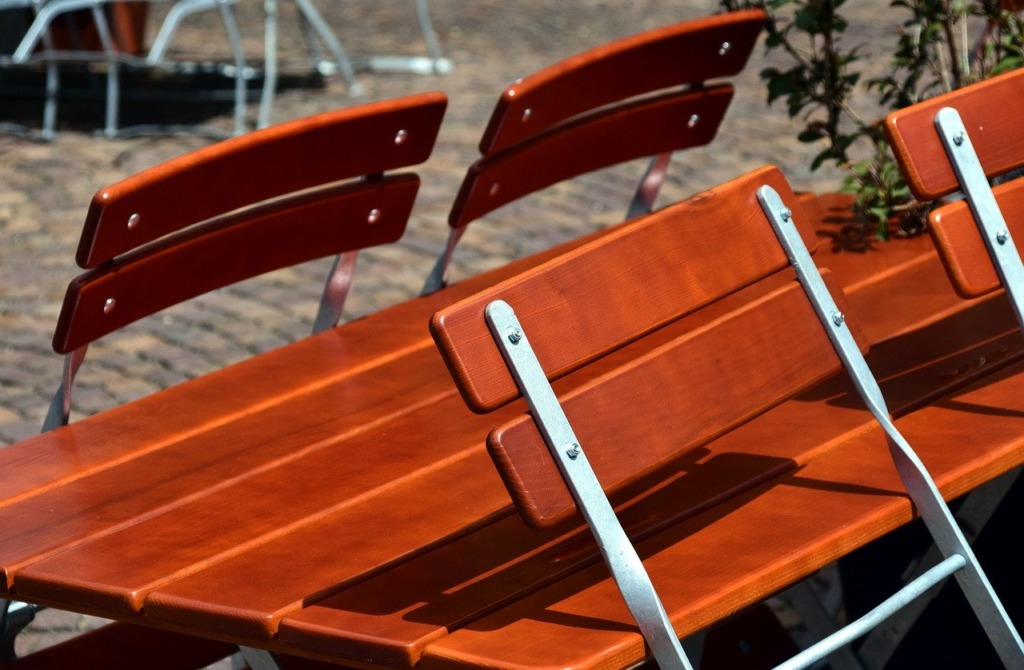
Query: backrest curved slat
{"points": [[258, 166]]}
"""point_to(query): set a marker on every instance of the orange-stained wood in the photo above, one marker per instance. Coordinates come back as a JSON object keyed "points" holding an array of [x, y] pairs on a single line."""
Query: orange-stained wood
{"points": [[685, 53], [639, 96], [607, 137], [392, 617], [656, 408], [959, 241], [996, 133], [362, 140], [228, 250], [754, 544], [652, 272]]}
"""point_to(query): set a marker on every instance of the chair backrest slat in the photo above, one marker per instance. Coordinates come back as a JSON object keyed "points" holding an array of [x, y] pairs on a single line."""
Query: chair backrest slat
{"points": [[988, 111], [671, 400], [684, 53], [235, 247], [960, 243], [671, 122], [658, 275], [652, 272], [215, 180]]}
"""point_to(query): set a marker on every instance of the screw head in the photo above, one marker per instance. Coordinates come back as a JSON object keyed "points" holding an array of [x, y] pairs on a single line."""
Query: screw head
{"points": [[515, 335], [527, 113], [1003, 236], [108, 305], [572, 450], [724, 49], [374, 216], [495, 187], [693, 120], [838, 318], [133, 221], [786, 213], [959, 138], [401, 136]]}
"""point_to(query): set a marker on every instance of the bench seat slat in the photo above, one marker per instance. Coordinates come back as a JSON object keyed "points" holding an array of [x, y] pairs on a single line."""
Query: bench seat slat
{"points": [[334, 357], [235, 454], [394, 616], [772, 536]]}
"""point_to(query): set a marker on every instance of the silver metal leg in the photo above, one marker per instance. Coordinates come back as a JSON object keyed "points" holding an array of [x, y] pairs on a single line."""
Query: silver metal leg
{"points": [[332, 303], [571, 458], [650, 185], [259, 659], [14, 617], [925, 495]]}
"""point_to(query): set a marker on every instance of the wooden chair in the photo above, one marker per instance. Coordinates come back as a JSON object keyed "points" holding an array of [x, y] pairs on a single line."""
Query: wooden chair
{"points": [[250, 215], [957, 142], [644, 95], [693, 384]]}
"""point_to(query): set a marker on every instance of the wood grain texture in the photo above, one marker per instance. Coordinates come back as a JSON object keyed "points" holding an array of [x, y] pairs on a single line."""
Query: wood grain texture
{"points": [[997, 135], [684, 53], [637, 129], [391, 618], [658, 407], [718, 562], [281, 234], [217, 179], [621, 286], [959, 241]]}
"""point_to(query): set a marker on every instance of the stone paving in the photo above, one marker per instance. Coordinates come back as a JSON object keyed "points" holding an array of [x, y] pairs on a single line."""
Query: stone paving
{"points": [[45, 189]]}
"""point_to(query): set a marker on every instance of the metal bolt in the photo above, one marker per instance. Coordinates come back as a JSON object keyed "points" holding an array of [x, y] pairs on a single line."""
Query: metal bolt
{"points": [[724, 49], [786, 213], [838, 318], [1002, 236], [494, 189], [133, 221], [693, 120], [108, 306], [572, 450], [401, 136], [374, 216], [527, 113], [959, 138], [515, 335]]}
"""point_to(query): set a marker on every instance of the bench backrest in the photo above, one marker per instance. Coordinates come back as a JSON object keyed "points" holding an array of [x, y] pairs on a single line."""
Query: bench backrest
{"points": [[643, 95], [643, 279], [997, 137], [274, 198]]}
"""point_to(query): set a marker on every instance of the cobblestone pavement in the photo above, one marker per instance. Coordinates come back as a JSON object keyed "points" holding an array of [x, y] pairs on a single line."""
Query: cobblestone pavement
{"points": [[45, 189]]}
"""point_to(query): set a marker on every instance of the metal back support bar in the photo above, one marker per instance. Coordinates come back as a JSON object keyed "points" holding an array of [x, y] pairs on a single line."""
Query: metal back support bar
{"points": [[919, 484], [982, 202], [626, 567]]}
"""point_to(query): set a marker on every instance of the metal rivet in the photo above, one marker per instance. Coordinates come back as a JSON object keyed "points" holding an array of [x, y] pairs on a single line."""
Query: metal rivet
{"points": [[572, 450], [786, 213], [133, 221], [108, 306], [527, 113], [515, 335], [693, 120], [724, 49], [959, 138], [838, 318], [401, 136], [511, 93], [1002, 236], [494, 188], [374, 216]]}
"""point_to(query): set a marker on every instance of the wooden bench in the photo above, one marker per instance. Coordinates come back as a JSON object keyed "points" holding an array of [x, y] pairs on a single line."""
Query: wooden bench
{"points": [[333, 499], [349, 512], [659, 408]]}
